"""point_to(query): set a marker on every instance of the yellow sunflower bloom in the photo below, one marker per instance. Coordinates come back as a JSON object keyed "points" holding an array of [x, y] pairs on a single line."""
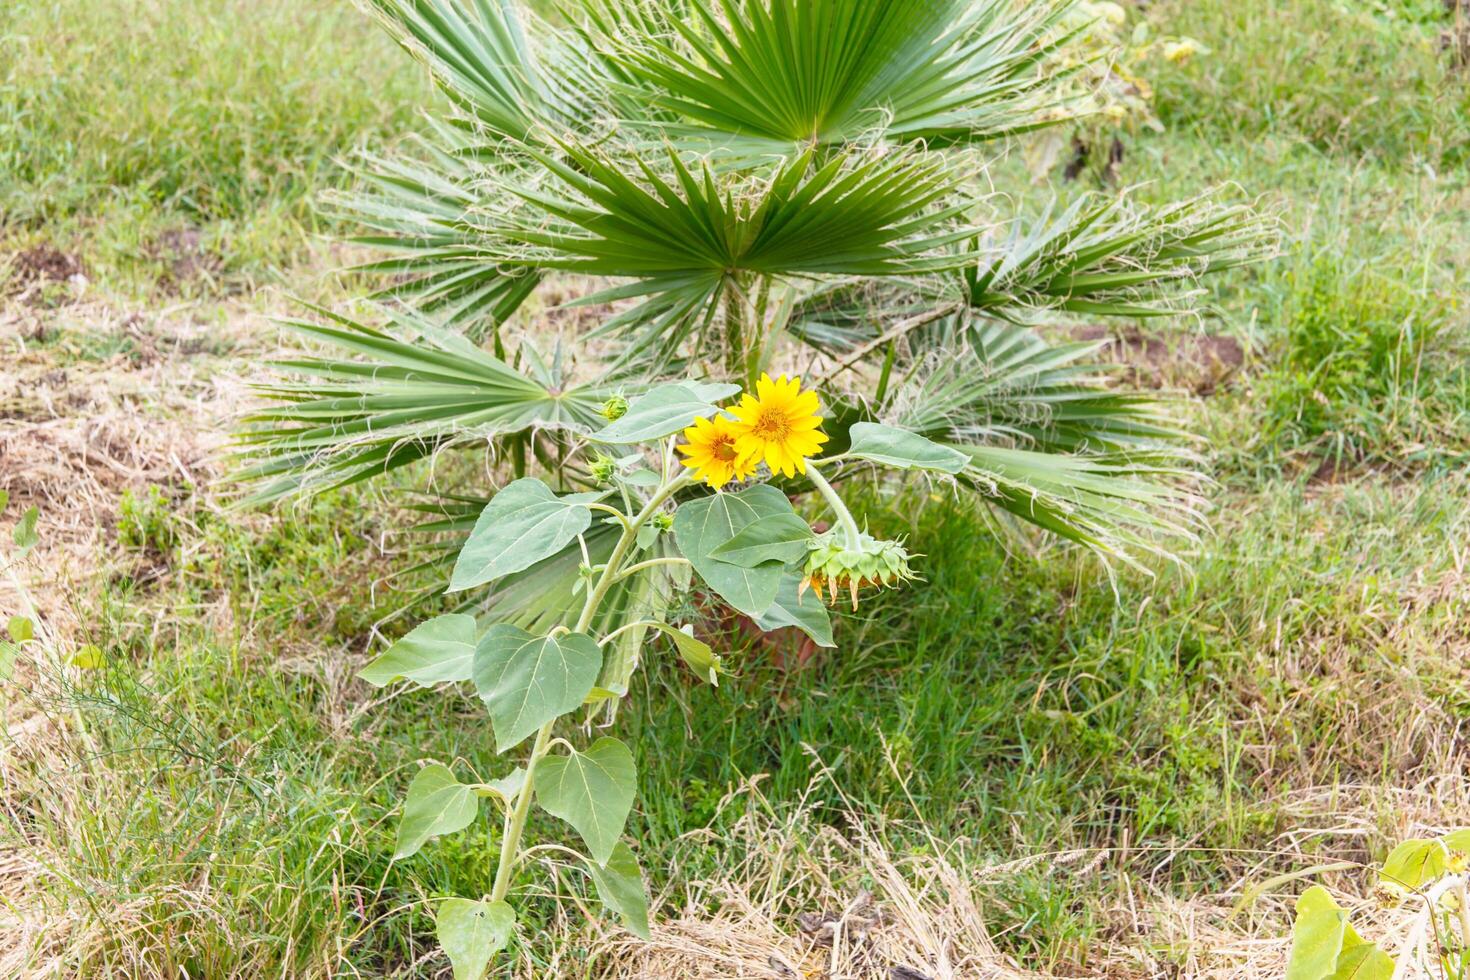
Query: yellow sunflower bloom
{"points": [[712, 453], [779, 424]]}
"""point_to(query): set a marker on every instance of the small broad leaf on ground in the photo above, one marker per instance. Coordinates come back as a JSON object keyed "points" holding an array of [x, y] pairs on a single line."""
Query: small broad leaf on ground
{"points": [[1317, 936], [619, 885], [903, 449], [701, 526], [89, 657], [521, 525], [20, 629], [593, 791], [527, 680], [664, 410], [438, 651], [472, 932], [785, 538], [696, 653], [436, 804], [24, 536], [793, 607], [1415, 863]]}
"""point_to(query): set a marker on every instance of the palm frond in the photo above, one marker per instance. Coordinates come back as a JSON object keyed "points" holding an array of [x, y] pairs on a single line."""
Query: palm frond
{"points": [[479, 54], [1049, 442], [769, 75], [425, 213], [1110, 258], [401, 399]]}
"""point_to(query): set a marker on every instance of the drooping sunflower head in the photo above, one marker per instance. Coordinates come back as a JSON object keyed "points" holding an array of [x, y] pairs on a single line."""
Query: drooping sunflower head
{"points": [[836, 564], [779, 425], [710, 450]]}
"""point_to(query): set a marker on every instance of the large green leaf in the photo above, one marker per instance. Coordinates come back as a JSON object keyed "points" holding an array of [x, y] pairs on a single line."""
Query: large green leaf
{"points": [[903, 449], [593, 791], [1317, 936], [522, 524], [619, 885], [703, 525], [436, 804], [527, 680], [472, 932], [439, 651], [664, 410]]}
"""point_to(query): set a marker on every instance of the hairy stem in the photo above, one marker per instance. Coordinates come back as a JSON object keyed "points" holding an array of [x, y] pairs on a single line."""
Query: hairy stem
{"points": [[515, 820]]}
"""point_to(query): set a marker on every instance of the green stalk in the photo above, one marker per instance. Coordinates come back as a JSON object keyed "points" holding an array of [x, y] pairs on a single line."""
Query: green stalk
{"points": [[844, 516], [515, 820]]}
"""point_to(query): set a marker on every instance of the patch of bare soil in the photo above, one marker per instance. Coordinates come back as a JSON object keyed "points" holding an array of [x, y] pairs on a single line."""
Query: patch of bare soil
{"points": [[1200, 363], [182, 253], [80, 426], [32, 270]]}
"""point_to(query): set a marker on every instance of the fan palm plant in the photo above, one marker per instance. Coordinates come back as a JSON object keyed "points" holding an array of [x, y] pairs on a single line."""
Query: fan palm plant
{"points": [[740, 183], [732, 188]]}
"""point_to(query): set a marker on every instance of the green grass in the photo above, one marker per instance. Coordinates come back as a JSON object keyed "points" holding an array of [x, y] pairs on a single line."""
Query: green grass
{"points": [[124, 121], [1019, 703]]}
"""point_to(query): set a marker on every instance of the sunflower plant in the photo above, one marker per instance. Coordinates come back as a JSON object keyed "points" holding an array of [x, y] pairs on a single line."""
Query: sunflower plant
{"points": [[687, 499]]}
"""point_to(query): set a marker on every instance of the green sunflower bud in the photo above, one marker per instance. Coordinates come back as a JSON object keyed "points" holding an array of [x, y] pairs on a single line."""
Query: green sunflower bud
{"points": [[663, 520], [614, 408], [834, 564], [603, 467]]}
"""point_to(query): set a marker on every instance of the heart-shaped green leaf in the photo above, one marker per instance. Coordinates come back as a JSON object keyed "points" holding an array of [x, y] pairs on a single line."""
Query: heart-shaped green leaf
{"points": [[436, 804], [24, 536], [619, 885], [593, 791], [903, 449], [793, 607], [703, 525], [664, 410], [1415, 863], [527, 680], [522, 524], [472, 932], [20, 629], [782, 537], [438, 651]]}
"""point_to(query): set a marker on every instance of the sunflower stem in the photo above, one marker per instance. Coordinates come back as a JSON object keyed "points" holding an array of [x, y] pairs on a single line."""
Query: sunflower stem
{"points": [[844, 517]]}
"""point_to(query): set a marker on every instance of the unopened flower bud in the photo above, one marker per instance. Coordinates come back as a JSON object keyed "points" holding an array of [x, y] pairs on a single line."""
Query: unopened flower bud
{"points": [[603, 467], [614, 408], [663, 520]]}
